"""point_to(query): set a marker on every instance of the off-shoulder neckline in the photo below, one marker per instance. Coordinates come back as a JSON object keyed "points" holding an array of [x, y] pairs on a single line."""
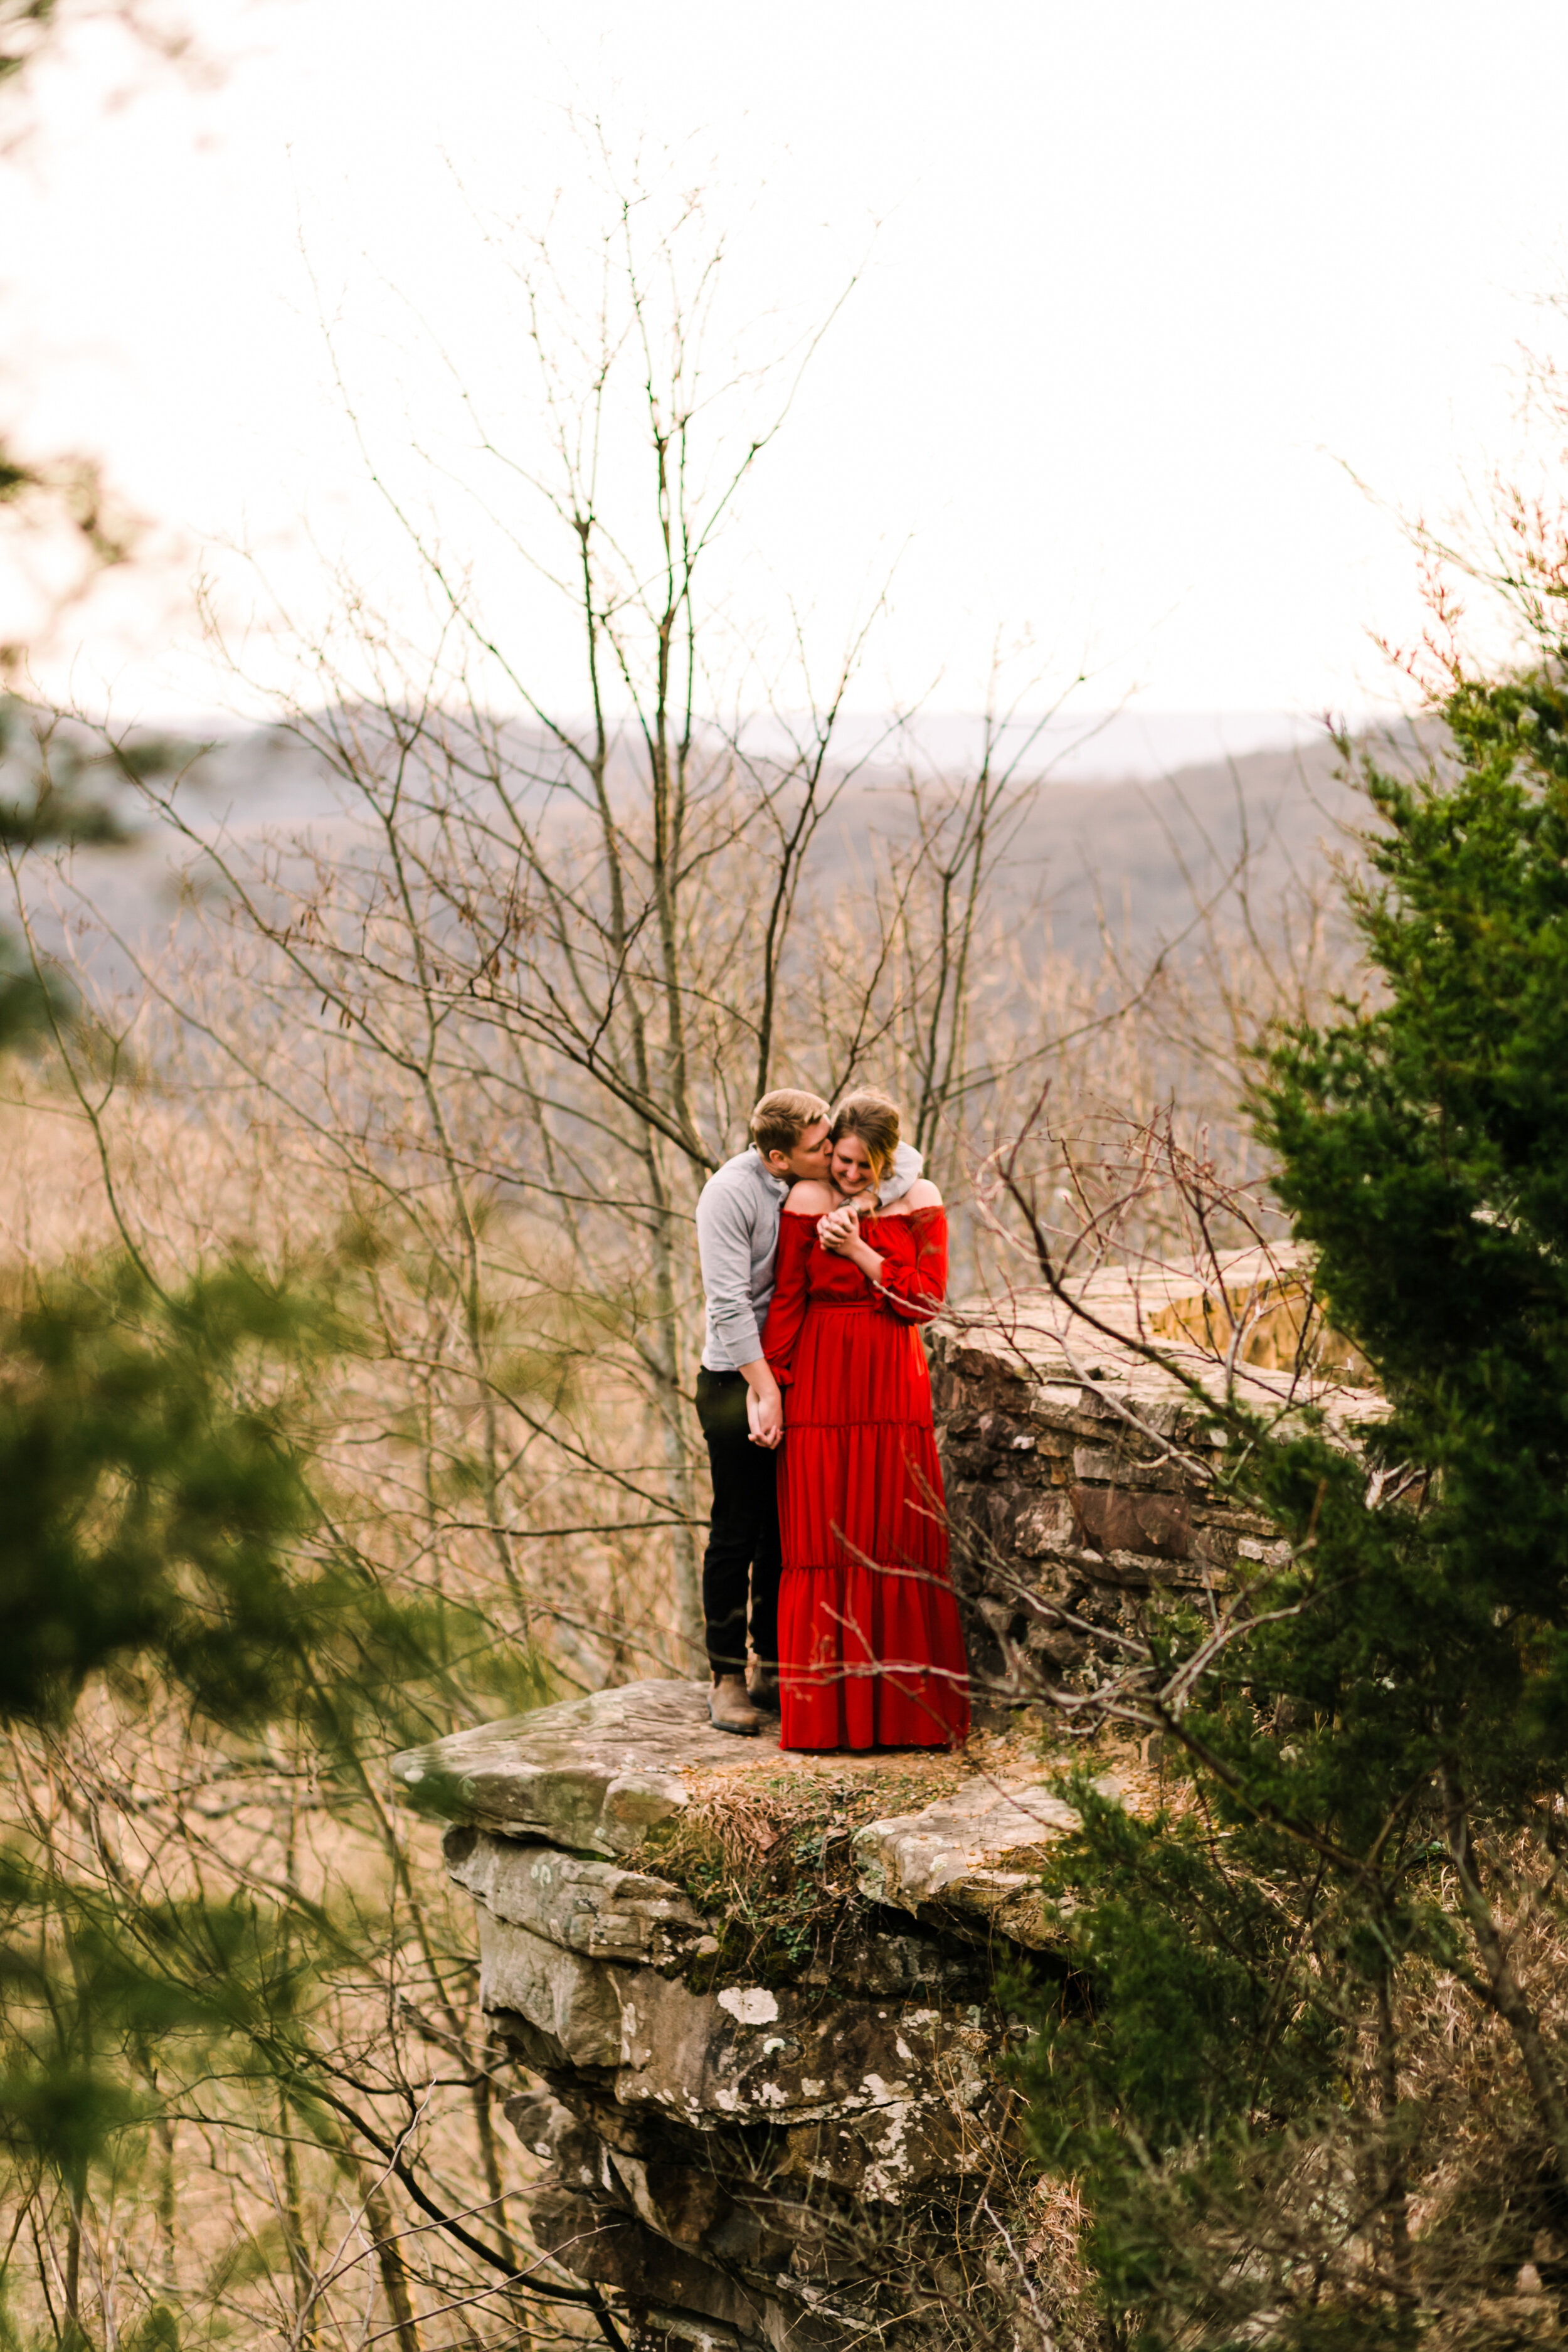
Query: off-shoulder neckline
{"points": [[873, 1216]]}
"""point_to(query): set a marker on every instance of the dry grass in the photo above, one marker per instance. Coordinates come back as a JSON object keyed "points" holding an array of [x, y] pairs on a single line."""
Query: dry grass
{"points": [[768, 1856]]}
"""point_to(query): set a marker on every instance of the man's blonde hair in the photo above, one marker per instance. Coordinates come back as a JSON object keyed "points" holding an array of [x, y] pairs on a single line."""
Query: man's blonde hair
{"points": [[874, 1118], [781, 1119]]}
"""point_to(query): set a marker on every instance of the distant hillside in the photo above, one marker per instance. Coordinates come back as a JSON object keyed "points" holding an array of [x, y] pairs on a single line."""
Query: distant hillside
{"points": [[1138, 848], [1140, 851]]}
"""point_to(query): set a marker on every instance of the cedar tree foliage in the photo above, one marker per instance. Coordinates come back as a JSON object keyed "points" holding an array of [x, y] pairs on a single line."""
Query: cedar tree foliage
{"points": [[163, 1545], [1366, 1806]]}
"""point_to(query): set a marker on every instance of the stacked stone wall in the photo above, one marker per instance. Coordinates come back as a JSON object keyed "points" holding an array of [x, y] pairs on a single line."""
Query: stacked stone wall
{"points": [[1091, 1491]]}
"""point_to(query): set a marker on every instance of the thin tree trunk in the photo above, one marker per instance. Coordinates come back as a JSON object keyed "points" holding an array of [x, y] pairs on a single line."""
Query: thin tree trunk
{"points": [[1395, 2192], [166, 2205], [73, 2263], [393, 2276], [1508, 1997], [490, 2160], [294, 2230], [506, 2245], [670, 1403]]}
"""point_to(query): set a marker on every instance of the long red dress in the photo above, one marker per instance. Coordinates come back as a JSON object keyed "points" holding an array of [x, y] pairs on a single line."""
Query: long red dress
{"points": [[870, 1652]]}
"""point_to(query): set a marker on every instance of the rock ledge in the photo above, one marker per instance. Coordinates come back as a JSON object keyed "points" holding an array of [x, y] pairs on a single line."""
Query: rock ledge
{"points": [[720, 2151]]}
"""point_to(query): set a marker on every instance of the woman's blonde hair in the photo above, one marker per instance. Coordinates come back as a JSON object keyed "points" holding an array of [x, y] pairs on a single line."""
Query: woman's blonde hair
{"points": [[875, 1120]]}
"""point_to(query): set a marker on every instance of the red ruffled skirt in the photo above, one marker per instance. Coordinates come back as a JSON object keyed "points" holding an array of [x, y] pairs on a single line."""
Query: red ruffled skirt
{"points": [[870, 1650]]}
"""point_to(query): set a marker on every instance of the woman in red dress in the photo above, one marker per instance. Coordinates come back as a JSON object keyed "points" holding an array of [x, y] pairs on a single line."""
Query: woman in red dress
{"points": [[870, 1652]]}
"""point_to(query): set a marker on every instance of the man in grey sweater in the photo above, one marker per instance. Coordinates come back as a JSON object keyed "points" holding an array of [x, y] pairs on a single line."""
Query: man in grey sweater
{"points": [[738, 1400]]}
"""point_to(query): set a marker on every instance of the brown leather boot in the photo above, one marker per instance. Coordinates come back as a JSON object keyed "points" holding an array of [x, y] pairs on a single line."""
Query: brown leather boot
{"points": [[763, 1689], [729, 1708]]}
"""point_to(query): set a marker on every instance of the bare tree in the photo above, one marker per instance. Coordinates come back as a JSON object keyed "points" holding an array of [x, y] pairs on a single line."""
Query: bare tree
{"points": [[566, 941]]}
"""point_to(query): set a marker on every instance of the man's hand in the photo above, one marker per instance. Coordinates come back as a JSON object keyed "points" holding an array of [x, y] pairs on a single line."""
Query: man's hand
{"points": [[765, 1406]]}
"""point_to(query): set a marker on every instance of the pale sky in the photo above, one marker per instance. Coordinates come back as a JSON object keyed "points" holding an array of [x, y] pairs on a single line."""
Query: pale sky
{"points": [[1137, 285]]}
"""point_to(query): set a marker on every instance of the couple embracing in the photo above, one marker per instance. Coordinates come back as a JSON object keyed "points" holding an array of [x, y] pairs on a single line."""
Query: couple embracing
{"points": [[824, 1249]]}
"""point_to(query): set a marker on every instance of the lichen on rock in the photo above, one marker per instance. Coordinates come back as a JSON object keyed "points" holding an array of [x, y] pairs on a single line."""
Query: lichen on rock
{"points": [[769, 2065]]}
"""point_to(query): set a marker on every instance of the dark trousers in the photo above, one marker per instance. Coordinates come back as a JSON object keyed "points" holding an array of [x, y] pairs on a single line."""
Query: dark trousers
{"points": [[744, 1541]]}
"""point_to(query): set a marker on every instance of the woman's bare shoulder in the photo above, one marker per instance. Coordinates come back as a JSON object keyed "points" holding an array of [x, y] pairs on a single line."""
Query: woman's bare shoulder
{"points": [[923, 1195], [809, 1199]]}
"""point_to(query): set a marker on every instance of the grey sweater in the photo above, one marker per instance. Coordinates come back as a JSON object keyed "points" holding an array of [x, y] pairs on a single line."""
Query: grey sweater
{"points": [[738, 1240]]}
